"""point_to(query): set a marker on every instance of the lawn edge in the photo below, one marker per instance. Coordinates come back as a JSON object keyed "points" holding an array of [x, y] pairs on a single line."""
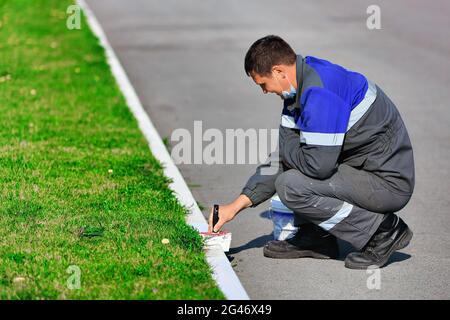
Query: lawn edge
{"points": [[223, 273]]}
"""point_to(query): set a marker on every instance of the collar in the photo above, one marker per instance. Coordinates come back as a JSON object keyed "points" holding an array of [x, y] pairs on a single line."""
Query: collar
{"points": [[299, 74]]}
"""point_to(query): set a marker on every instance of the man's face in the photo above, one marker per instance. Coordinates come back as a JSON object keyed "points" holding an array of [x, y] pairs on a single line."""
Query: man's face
{"points": [[269, 83]]}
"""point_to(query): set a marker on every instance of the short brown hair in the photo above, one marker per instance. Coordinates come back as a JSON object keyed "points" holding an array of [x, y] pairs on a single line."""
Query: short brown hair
{"points": [[267, 52]]}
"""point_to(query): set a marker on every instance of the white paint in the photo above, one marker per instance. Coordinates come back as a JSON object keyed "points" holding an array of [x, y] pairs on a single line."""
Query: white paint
{"points": [[223, 273]]}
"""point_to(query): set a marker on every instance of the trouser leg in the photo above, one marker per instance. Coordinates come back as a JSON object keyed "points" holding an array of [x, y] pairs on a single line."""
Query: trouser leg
{"points": [[350, 204]]}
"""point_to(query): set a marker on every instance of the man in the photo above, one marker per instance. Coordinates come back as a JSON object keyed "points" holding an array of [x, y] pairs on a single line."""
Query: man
{"points": [[345, 162]]}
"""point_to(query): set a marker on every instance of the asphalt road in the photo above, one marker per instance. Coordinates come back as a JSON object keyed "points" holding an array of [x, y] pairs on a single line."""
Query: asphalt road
{"points": [[185, 59]]}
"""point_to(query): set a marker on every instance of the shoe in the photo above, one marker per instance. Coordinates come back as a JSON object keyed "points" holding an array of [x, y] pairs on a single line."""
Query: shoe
{"points": [[310, 241], [380, 247]]}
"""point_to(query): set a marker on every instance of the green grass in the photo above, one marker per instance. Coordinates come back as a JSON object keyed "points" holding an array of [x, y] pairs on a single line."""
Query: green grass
{"points": [[79, 185]]}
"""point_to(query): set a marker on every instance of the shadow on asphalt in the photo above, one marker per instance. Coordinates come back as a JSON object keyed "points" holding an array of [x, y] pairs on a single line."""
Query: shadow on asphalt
{"points": [[345, 248], [265, 215], [255, 243]]}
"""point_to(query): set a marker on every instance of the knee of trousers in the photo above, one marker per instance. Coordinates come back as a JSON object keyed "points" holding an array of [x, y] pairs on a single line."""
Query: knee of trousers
{"points": [[291, 188]]}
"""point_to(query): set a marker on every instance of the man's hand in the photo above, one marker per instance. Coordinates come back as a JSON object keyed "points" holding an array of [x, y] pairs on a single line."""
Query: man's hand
{"points": [[227, 212]]}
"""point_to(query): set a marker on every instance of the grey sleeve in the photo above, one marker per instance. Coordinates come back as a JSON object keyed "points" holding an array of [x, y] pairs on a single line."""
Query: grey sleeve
{"points": [[319, 162], [261, 185], [315, 161]]}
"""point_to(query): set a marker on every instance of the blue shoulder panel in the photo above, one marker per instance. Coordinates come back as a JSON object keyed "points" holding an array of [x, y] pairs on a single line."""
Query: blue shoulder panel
{"points": [[350, 86], [323, 112]]}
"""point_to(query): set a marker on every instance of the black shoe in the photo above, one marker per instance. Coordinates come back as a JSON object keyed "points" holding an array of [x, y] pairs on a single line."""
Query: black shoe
{"points": [[310, 241], [380, 247]]}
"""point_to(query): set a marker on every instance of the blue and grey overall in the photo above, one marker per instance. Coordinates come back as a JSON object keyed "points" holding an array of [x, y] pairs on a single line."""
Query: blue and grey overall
{"points": [[344, 158]]}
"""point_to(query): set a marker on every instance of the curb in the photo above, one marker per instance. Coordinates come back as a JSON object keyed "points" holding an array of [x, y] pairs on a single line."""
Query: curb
{"points": [[223, 273]]}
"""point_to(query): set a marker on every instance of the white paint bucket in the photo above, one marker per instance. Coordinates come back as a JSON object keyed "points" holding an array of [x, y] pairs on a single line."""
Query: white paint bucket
{"points": [[282, 218]]}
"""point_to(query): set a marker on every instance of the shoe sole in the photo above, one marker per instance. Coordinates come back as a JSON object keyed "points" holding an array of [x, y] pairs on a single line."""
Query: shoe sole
{"points": [[295, 254], [401, 243]]}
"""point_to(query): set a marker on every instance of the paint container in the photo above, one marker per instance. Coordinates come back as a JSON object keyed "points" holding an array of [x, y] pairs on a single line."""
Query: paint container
{"points": [[282, 218]]}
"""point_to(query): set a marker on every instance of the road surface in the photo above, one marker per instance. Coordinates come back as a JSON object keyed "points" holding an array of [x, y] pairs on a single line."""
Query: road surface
{"points": [[185, 59]]}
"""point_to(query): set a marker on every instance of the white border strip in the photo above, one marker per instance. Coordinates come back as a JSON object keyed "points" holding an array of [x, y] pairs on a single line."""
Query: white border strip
{"points": [[322, 139], [360, 110], [338, 217], [288, 121], [223, 273]]}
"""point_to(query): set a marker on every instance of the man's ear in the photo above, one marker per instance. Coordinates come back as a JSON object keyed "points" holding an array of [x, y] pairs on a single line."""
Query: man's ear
{"points": [[279, 71]]}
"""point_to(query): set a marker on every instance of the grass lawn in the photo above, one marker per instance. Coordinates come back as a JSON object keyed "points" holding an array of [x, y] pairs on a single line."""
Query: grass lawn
{"points": [[80, 190]]}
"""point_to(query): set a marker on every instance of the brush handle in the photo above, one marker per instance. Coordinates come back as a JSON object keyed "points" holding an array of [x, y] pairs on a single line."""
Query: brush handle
{"points": [[215, 215]]}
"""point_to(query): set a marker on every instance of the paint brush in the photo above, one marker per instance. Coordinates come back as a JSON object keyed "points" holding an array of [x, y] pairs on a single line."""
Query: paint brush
{"points": [[221, 238]]}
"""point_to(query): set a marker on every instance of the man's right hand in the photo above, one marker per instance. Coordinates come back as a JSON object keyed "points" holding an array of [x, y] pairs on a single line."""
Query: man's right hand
{"points": [[227, 212]]}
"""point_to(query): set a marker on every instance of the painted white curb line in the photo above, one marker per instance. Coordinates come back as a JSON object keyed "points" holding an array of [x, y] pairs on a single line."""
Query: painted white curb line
{"points": [[223, 273]]}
